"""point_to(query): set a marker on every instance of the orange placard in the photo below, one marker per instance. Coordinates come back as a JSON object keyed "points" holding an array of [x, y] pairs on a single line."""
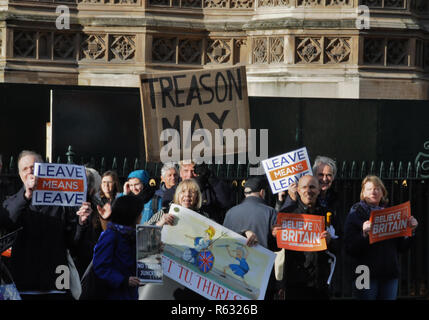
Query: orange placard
{"points": [[301, 232], [65, 185], [289, 170], [390, 223]]}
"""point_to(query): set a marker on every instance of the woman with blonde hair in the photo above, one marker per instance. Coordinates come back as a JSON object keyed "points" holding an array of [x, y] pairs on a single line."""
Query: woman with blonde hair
{"points": [[188, 195], [381, 258]]}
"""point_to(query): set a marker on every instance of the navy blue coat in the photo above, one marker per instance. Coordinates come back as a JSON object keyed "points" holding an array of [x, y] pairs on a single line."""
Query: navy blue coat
{"points": [[115, 261], [382, 257]]}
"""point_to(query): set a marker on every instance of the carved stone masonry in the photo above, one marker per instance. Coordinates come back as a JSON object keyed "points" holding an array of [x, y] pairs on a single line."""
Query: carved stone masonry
{"points": [[276, 50], [93, 47], [191, 3], [308, 50], [24, 44], [260, 50], [274, 3], [393, 4], [373, 51], [123, 47], [64, 46], [331, 3], [218, 51], [308, 3], [190, 51], [159, 3], [215, 3], [245, 4], [397, 52], [338, 50], [164, 50]]}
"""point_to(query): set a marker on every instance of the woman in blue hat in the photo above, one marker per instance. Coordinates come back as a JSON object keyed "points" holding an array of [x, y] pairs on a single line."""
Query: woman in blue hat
{"points": [[138, 185]]}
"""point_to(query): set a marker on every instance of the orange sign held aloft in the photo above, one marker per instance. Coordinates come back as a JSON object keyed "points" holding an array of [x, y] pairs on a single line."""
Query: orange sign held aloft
{"points": [[390, 223], [301, 232]]}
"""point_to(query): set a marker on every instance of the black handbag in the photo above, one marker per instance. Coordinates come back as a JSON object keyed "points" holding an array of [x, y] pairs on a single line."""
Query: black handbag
{"points": [[92, 287]]}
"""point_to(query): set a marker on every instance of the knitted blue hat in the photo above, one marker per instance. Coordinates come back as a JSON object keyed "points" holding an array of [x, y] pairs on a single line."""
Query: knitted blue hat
{"points": [[142, 175]]}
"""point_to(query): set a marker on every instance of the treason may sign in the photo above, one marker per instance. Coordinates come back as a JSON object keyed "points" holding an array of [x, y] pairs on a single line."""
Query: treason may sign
{"points": [[196, 104]]}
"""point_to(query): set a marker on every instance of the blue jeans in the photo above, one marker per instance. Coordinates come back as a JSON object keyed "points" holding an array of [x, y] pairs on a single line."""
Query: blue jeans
{"points": [[379, 290]]}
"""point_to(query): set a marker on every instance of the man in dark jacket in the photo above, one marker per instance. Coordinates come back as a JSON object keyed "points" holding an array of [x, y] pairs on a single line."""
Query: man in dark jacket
{"points": [[254, 219], [40, 250], [305, 274], [217, 194]]}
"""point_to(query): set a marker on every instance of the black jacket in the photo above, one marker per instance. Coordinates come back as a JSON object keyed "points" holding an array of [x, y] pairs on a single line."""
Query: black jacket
{"points": [[41, 245], [307, 269], [382, 257], [87, 236], [217, 197]]}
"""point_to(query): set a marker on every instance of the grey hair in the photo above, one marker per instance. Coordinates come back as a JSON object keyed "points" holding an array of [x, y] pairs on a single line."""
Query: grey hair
{"points": [[325, 160], [93, 180], [25, 153], [168, 166]]}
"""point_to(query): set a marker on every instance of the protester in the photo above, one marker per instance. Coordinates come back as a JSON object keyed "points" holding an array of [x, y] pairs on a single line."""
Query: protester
{"points": [[169, 181], [305, 274], [254, 219], [110, 186], [381, 257], [138, 184], [92, 226], [325, 170], [41, 246], [217, 194], [186, 169], [187, 195], [115, 260]]}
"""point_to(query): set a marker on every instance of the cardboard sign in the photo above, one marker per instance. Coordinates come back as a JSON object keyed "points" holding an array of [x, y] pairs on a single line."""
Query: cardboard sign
{"points": [[59, 184], [149, 257], [213, 260], [187, 101], [301, 232], [390, 223], [285, 169]]}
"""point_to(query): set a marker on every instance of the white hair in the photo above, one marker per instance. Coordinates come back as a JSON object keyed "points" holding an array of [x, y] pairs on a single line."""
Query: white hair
{"points": [[325, 160], [168, 166]]}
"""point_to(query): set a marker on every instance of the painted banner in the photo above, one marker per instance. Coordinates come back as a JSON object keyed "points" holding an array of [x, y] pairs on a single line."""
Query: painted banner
{"points": [[301, 232], [285, 169], [212, 260], [149, 254], [390, 223], [187, 101], [59, 184]]}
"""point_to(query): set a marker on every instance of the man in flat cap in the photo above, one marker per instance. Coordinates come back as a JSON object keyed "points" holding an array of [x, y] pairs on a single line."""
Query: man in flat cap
{"points": [[254, 219]]}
